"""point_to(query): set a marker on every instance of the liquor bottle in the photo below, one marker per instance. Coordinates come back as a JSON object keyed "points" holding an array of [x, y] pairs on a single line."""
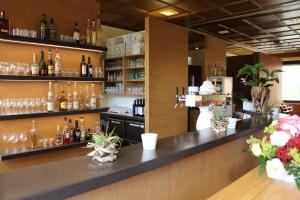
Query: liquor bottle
{"points": [[34, 67], [50, 65], [56, 98], [87, 98], [50, 102], [62, 100], [4, 24], [33, 135], [52, 30], [71, 131], [82, 129], [93, 101], [133, 108], [43, 27], [77, 132], [99, 29], [75, 98], [94, 33], [57, 65], [42, 65], [83, 67], [143, 107], [66, 134], [88, 31], [76, 34], [89, 67], [59, 136], [69, 98], [80, 99], [137, 107], [88, 135]]}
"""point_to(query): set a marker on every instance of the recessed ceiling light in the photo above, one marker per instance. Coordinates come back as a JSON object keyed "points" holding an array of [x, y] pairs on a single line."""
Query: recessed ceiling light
{"points": [[223, 32], [197, 48], [292, 21], [168, 12]]}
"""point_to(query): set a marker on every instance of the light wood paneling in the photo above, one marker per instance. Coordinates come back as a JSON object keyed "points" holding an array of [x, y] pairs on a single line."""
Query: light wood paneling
{"points": [[166, 52], [196, 177], [255, 187], [214, 53]]}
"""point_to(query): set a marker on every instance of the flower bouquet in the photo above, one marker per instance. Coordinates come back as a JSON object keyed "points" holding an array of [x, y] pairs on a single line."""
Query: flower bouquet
{"points": [[279, 149]]}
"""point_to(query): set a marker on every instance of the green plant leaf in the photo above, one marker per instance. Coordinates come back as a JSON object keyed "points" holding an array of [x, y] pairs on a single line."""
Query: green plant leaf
{"points": [[262, 165]]}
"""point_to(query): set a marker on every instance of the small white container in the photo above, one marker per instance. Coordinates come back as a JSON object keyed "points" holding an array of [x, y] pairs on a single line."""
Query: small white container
{"points": [[149, 141], [232, 122]]}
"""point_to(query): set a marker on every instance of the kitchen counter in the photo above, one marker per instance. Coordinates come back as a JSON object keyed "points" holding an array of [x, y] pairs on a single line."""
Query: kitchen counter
{"points": [[126, 116], [66, 178], [252, 186]]}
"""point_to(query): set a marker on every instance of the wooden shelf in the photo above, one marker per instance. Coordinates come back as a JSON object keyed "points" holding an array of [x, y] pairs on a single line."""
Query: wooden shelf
{"points": [[136, 55], [117, 69], [125, 94], [54, 43], [48, 78], [50, 114], [135, 80], [132, 68], [30, 152], [115, 58], [113, 81]]}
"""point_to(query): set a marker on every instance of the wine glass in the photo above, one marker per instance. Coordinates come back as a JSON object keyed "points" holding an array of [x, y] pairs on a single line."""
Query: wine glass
{"points": [[26, 103], [23, 138], [14, 138], [32, 105], [38, 104], [5, 139], [44, 104]]}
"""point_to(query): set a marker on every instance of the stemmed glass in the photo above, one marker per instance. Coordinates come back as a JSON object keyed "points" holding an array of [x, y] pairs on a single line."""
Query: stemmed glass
{"points": [[13, 138], [5, 139], [38, 104], [44, 104], [23, 139]]}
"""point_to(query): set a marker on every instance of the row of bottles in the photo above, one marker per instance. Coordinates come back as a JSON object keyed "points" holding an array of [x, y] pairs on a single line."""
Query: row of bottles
{"points": [[138, 107], [75, 100], [67, 134], [86, 69], [4, 23]]}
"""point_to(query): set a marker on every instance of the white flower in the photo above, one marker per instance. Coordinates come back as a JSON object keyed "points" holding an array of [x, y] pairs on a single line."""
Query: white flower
{"points": [[279, 138], [256, 149], [275, 169]]}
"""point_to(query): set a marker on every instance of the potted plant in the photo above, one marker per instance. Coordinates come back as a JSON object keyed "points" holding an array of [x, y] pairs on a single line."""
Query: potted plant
{"points": [[104, 145], [260, 79]]}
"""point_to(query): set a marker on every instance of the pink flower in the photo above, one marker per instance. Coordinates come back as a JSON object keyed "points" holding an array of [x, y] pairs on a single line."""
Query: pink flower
{"points": [[290, 124]]}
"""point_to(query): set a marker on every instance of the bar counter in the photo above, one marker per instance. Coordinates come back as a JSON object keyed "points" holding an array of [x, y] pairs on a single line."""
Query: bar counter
{"points": [[80, 175]]}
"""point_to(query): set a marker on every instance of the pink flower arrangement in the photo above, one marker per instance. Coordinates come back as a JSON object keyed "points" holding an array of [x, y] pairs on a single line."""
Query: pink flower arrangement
{"points": [[279, 149]]}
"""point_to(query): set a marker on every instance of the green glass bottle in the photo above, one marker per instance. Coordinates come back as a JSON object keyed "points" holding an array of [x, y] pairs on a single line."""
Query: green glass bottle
{"points": [[42, 65]]}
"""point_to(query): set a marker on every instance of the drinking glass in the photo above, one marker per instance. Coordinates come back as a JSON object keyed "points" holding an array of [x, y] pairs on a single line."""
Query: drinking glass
{"points": [[32, 105], [44, 104], [14, 138], [5, 139], [26, 103], [23, 139], [38, 104]]}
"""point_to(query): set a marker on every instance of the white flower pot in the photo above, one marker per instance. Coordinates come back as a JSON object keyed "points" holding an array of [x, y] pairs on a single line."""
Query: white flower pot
{"points": [[276, 170]]}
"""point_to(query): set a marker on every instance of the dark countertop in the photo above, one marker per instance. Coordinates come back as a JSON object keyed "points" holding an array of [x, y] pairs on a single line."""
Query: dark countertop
{"points": [[65, 178], [126, 116]]}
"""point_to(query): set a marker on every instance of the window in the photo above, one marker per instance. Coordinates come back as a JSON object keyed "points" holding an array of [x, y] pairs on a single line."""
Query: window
{"points": [[291, 82]]}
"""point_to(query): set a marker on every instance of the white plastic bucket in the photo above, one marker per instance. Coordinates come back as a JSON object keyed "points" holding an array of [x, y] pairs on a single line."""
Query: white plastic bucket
{"points": [[149, 141]]}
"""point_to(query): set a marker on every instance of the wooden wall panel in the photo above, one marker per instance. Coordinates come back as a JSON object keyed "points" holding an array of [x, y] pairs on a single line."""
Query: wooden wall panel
{"points": [[166, 52], [194, 178], [214, 53]]}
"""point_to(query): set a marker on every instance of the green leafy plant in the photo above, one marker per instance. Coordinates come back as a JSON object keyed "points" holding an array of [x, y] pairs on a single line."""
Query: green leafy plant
{"points": [[258, 75], [101, 138]]}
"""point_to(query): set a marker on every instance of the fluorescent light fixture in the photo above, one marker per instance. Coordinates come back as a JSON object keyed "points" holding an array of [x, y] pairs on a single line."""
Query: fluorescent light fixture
{"points": [[168, 12], [223, 32], [292, 21]]}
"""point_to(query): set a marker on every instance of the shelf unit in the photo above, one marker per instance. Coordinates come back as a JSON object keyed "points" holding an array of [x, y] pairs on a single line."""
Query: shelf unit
{"points": [[31, 152], [51, 114], [125, 70], [53, 43], [48, 78]]}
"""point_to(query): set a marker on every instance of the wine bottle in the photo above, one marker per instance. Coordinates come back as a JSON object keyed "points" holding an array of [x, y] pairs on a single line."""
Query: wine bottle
{"points": [[93, 101], [75, 97], [80, 99], [50, 65], [76, 34], [4, 24], [42, 65], [89, 67], [62, 100], [33, 135], [43, 27], [66, 134], [98, 29], [143, 107], [71, 131], [57, 65], [94, 33], [83, 67], [50, 103], [59, 136], [87, 98], [56, 98], [137, 107], [133, 108], [69, 98], [82, 129], [88, 31], [52, 30], [34, 66], [77, 132]]}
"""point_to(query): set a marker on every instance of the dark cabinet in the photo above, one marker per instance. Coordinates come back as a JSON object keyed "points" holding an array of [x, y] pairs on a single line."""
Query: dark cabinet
{"points": [[118, 126], [134, 131]]}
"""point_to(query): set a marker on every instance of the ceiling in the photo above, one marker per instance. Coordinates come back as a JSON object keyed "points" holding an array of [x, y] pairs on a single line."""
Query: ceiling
{"points": [[270, 26]]}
